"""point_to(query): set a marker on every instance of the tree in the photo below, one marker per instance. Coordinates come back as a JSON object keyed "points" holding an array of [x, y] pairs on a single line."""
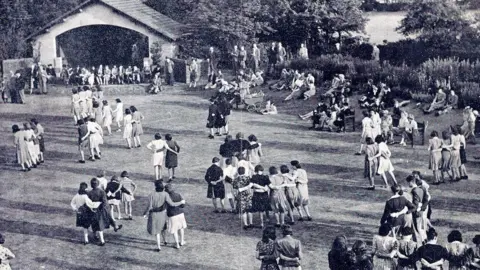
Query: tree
{"points": [[441, 24], [21, 18], [315, 21]]}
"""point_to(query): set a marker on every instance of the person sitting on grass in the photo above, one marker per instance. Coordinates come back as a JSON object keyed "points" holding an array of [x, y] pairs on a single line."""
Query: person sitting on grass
{"points": [[297, 86], [372, 93], [452, 103], [338, 83], [320, 107], [270, 108], [311, 89], [439, 101], [286, 78]]}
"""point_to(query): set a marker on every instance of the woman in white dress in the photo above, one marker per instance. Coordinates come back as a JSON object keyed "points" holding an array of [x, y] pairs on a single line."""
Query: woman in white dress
{"points": [[95, 138], [83, 102], [118, 112], [89, 100], [128, 128], [76, 110], [385, 165], [107, 115], [367, 131], [254, 153], [158, 146], [31, 139], [377, 123]]}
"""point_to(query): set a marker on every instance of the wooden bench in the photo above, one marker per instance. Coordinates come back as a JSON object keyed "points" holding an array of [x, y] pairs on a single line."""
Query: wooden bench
{"points": [[350, 119]]}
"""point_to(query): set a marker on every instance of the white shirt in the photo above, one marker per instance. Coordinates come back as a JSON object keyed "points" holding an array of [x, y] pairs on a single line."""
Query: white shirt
{"points": [[102, 182], [230, 171], [79, 200], [247, 165], [367, 124], [411, 125], [157, 145]]}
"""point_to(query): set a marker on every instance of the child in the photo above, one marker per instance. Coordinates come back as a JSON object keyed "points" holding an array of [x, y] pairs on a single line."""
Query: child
{"points": [[243, 187], [81, 204], [291, 193], [127, 199], [5, 255], [82, 138], [406, 249], [82, 102], [270, 108], [89, 100], [128, 130], [114, 195], [300, 176], [119, 114], [367, 130], [76, 110], [158, 146], [95, 138], [107, 114], [230, 173], [103, 182]]}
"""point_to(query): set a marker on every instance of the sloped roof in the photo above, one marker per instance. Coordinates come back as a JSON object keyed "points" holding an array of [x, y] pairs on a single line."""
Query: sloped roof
{"points": [[148, 16], [135, 10]]}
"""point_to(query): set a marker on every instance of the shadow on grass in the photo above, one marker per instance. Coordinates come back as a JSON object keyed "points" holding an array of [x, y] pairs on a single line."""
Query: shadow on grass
{"points": [[161, 265], [58, 264], [36, 208]]}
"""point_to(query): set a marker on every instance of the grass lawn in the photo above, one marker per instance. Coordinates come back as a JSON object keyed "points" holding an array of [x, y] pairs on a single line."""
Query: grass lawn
{"points": [[36, 219]]}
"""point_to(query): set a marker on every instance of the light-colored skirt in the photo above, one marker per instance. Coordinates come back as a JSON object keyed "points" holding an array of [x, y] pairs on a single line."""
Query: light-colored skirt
{"points": [[23, 156], [127, 197], [229, 191], [114, 202], [435, 161], [95, 140], [385, 165], [176, 223], [32, 151], [303, 194], [455, 159], [119, 117], [107, 121], [127, 131], [158, 159], [367, 134]]}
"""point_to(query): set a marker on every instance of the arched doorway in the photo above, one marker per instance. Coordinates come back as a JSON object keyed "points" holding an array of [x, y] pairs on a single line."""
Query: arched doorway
{"points": [[96, 45]]}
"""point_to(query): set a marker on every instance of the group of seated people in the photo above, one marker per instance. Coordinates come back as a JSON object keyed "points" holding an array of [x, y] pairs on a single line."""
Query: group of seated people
{"points": [[301, 85], [243, 86], [442, 103], [379, 96], [339, 85], [106, 75], [330, 117]]}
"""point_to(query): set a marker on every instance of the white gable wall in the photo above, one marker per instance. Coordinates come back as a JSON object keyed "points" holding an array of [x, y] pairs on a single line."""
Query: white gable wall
{"points": [[94, 14]]}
